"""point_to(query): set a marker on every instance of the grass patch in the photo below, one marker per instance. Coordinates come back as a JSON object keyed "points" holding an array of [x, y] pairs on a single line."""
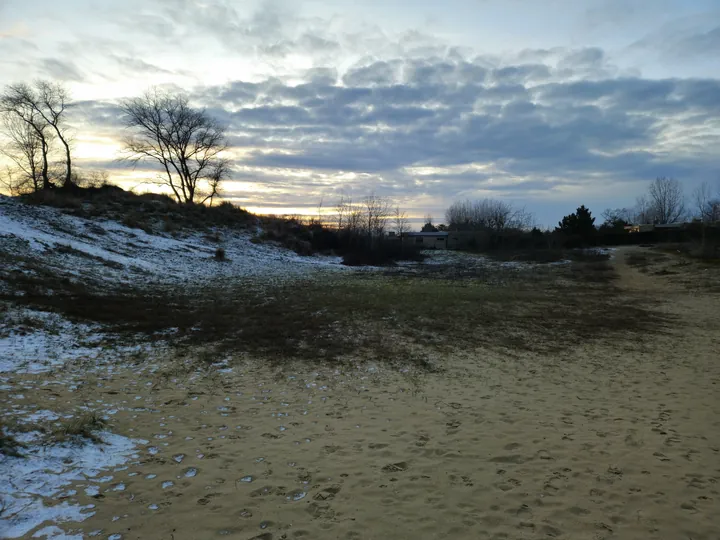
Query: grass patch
{"points": [[542, 256], [549, 255], [392, 318], [8, 445], [644, 260], [83, 426]]}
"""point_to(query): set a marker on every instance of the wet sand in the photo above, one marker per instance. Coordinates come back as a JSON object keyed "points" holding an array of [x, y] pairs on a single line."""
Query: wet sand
{"points": [[612, 439]]}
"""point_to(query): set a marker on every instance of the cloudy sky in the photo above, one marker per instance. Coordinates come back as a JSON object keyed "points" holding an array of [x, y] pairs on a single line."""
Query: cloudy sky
{"points": [[548, 103]]}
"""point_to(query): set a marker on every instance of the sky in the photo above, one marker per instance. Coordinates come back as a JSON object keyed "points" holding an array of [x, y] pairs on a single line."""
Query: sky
{"points": [[548, 104]]}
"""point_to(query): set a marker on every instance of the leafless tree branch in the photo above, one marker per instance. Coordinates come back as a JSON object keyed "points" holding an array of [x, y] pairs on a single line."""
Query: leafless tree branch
{"points": [[186, 142]]}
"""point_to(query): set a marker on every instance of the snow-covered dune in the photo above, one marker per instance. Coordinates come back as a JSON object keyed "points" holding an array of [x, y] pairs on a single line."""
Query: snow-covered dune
{"points": [[99, 249], [44, 245]]}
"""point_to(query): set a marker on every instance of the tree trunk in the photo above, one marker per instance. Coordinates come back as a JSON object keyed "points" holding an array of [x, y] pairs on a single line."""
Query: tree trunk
{"points": [[67, 183], [45, 178], [68, 173]]}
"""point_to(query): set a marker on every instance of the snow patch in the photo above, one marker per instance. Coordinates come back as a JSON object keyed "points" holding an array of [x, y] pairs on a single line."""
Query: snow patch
{"points": [[30, 485]]}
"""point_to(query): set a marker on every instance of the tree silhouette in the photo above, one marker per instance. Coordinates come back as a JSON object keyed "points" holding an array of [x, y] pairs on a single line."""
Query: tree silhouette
{"points": [[579, 224], [187, 143]]}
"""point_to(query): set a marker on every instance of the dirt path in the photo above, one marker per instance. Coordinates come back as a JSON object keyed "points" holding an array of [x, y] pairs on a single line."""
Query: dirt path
{"points": [[615, 439]]}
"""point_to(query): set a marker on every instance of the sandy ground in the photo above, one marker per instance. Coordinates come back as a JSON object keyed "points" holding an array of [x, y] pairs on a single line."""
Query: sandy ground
{"points": [[615, 439]]}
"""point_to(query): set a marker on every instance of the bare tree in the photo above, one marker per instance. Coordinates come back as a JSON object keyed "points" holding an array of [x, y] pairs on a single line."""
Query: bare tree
{"points": [[707, 203], [12, 184], [401, 222], [522, 219], [487, 214], [667, 201], [220, 172], [317, 219], [348, 216], [377, 210], [644, 211], [42, 107], [23, 125], [342, 208], [25, 151], [186, 142], [52, 104], [618, 216], [459, 215], [355, 218], [429, 224]]}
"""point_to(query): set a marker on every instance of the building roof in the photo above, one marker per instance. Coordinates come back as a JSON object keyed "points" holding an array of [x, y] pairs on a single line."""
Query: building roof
{"points": [[426, 234]]}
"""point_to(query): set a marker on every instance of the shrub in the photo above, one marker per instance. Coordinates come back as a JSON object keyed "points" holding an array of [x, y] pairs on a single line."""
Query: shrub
{"points": [[579, 228], [220, 254], [83, 426]]}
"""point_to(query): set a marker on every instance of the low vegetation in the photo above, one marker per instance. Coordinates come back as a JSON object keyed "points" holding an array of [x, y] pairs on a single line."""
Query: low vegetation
{"points": [[152, 212], [388, 317], [8, 445], [680, 264], [81, 426]]}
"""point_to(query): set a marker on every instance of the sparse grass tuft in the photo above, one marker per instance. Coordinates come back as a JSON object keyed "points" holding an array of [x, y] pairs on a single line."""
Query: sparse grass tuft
{"points": [[8, 445], [82, 426]]}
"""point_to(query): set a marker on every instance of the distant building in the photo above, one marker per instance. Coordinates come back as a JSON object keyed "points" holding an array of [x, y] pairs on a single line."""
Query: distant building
{"points": [[427, 240], [640, 228], [649, 227]]}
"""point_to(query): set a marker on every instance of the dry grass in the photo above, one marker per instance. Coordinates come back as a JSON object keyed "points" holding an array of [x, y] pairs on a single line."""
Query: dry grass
{"points": [[381, 317], [82, 426], [8, 445], [644, 260], [147, 211], [549, 255], [675, 263]]}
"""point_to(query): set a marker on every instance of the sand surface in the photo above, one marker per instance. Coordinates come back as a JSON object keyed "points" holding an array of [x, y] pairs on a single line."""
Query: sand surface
{"points": [[614, 439]]}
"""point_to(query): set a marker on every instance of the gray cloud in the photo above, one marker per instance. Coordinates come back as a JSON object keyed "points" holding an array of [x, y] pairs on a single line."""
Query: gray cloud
{"points": [[62, 70], [137, 65], [448, 113], [539, 120], [693, 38], [590, 57], [536, 131], [704, 43]]}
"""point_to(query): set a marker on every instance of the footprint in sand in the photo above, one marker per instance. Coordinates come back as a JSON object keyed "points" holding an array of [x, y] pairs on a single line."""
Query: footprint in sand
{"points": [[396, 467], [578, 511], [423, 439], [327, 493], [507, 485], [320, 509]]}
